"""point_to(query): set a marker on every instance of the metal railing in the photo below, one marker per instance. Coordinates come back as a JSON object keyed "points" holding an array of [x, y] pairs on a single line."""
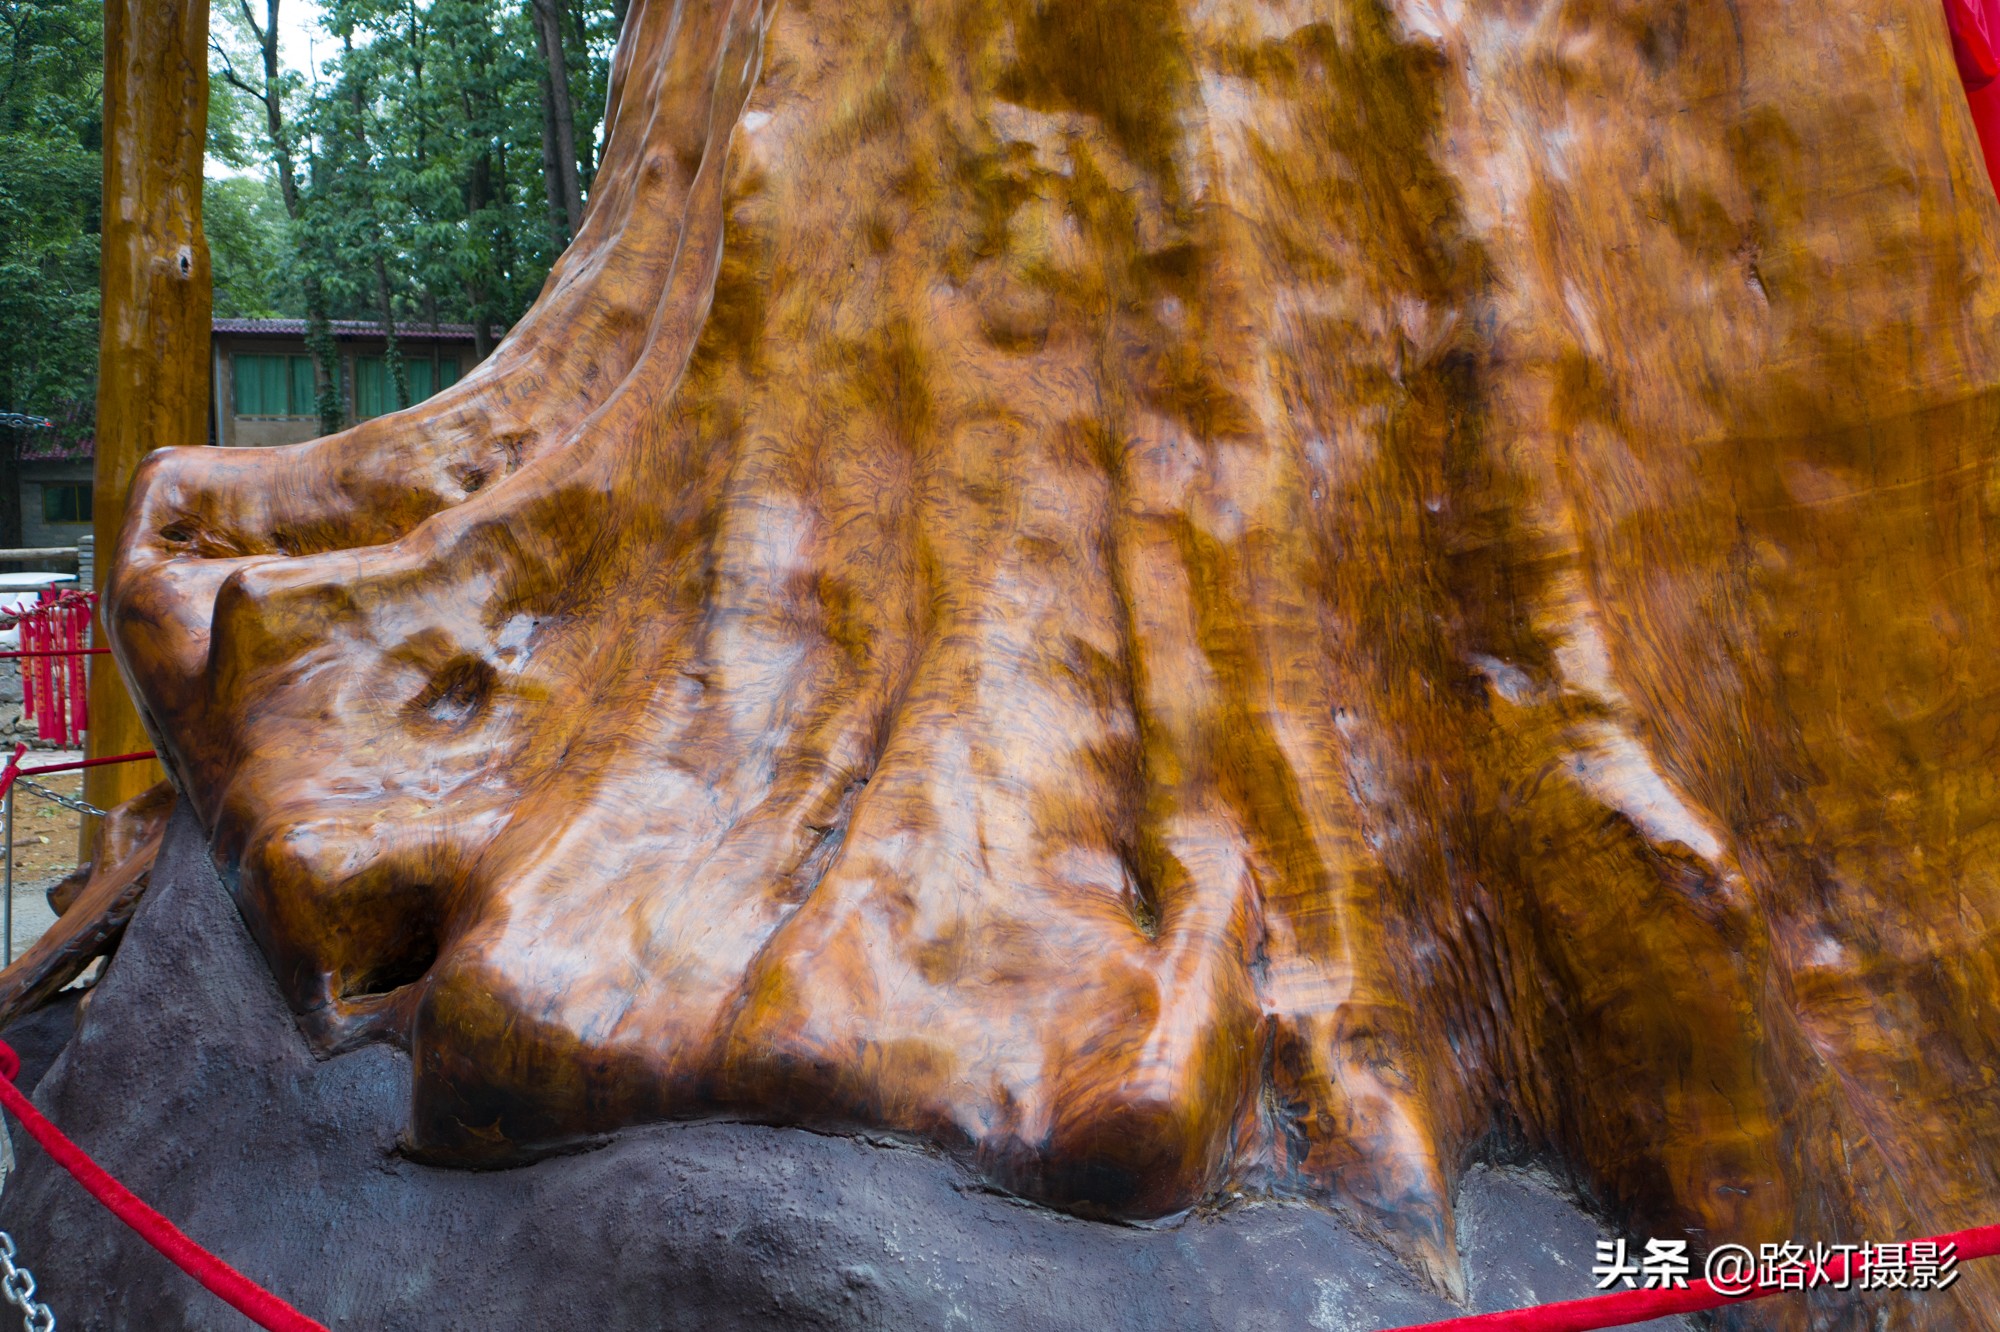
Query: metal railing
{"points": [[79, 557], [70, 727]]}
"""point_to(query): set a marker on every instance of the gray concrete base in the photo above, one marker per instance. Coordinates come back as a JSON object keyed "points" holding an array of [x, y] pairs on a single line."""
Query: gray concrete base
{"points": [[188, 1079]]}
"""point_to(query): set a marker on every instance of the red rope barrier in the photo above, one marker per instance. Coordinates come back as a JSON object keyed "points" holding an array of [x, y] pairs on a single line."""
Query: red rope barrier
{"points": [[88, 763], [1625, 1307], [14, 768], [252, 1300]]}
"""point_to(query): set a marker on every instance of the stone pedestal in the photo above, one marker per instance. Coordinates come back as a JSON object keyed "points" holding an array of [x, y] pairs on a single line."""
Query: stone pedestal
{"points": [[188, 1079]]}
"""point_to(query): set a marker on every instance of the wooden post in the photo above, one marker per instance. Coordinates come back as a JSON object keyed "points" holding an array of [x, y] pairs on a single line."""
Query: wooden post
{"points": [[152, 375]]}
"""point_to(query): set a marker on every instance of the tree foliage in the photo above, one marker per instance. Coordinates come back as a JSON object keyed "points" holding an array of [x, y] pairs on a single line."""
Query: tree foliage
{"points": [[420, 147], [419, 153], [250, 249], [51, 128]]}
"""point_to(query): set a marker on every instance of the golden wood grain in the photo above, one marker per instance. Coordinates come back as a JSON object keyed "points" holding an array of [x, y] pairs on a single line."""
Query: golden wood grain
{"points": [[1253, 597], [152, 363]]}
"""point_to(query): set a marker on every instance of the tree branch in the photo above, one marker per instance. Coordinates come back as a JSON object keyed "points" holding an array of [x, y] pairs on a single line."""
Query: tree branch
{"points": [[232, 78], [250, 18]]}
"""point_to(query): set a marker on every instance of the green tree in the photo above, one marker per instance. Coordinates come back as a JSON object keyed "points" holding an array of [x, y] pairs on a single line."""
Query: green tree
{"points": [[247, 62], [427, 184], [51, 125], [51, 131], [251, 252]]}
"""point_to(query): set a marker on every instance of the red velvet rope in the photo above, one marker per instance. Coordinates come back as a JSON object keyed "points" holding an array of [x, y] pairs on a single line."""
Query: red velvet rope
{"points": [[259, 1305], [1626, 1307]]}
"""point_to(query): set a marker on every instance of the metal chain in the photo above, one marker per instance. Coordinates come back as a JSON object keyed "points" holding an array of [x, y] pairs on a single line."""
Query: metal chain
{"points": [[17, 1287], [67, 802]]}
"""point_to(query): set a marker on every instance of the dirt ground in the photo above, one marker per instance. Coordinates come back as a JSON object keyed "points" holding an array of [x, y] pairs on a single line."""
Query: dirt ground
{"points": [[44, 832], [44, 849]]}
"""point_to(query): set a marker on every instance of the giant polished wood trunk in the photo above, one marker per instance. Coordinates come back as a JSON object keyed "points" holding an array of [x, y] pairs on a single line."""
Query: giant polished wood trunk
{"points": [[1263, 597], [152, 364]]}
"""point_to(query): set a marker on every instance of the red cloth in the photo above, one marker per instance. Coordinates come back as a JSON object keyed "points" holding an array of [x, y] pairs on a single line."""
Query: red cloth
{"points": [[1986, 119], [1975, 40]]}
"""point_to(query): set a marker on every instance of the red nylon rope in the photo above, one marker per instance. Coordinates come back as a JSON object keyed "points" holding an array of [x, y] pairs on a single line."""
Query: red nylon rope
{"points": [[72, 652], [252, 1300], [87, 763], [1625, 1307], [14, 768], [1589, 1314]]}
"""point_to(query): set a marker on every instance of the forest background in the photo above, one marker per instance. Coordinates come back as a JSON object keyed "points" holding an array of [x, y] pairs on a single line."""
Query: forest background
{"points": [[398, 161]]}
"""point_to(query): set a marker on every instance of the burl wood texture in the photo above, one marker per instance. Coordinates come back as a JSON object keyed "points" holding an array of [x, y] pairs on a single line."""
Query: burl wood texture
{"points": [[1263, 597], [152, 363]]}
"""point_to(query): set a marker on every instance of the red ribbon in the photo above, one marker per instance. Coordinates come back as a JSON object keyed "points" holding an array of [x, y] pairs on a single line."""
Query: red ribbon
{"points": [[79, 634], [252, 1300], [54, 694]]}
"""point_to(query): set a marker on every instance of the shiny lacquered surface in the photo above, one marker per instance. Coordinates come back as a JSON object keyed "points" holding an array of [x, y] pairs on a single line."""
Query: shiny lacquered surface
{"points": [[1175, 599], [152, 362]]}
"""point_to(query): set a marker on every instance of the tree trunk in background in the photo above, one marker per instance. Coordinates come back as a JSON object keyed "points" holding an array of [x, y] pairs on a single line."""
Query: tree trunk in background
{"points": [[586, 149], [152, 376], [478, 194], [392, 348], [385, 310], [326, 357], [552, 186], [560, 157], [319, 329]]}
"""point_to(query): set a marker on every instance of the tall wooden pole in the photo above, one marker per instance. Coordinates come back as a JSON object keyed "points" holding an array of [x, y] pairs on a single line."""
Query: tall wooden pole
{"points": [[152, 377]]}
